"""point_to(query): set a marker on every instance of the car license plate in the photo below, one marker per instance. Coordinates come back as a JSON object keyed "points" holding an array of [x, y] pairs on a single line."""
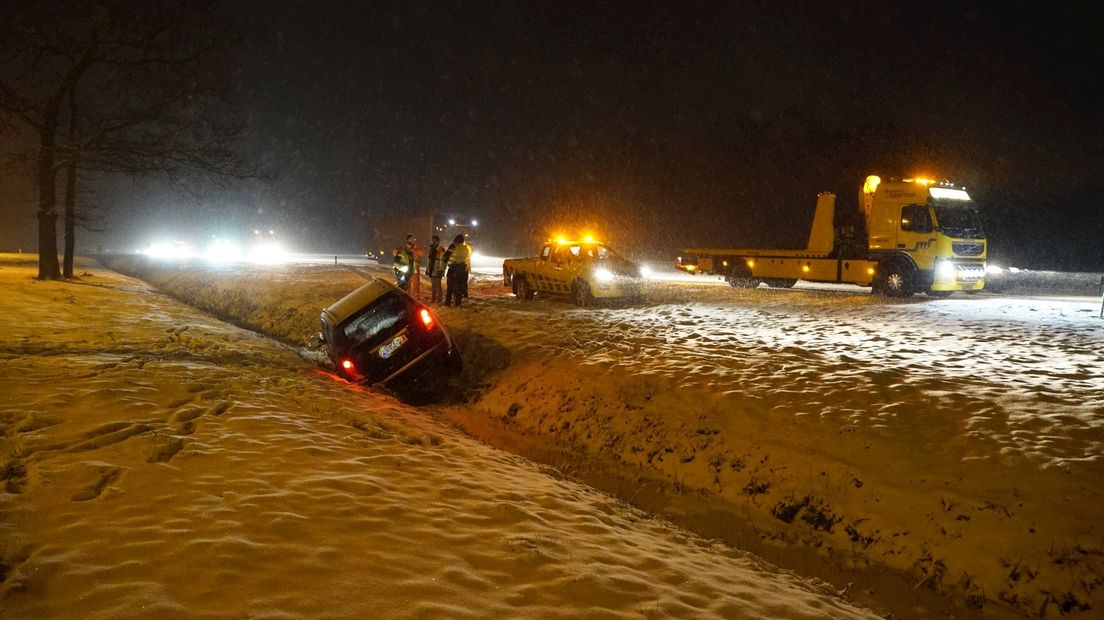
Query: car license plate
{"points": [[389, 349]]}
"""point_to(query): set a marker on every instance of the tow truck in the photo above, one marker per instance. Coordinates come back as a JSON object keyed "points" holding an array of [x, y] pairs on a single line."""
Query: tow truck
{"points": [[921, 235], [585, 271]]}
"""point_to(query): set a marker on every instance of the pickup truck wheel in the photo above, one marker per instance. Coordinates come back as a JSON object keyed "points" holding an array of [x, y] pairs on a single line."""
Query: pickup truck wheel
{"points": [[580, 294], [896, 280], [522, 287]]}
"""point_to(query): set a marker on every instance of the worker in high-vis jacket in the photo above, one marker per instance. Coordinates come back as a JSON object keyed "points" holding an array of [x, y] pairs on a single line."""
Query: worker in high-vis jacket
{"points": [[435, 269], [404, 264], [458, 258]]}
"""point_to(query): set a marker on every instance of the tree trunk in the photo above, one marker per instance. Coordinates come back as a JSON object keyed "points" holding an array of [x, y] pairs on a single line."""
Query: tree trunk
{"points": [[47, 216], [71, 188], [70, 218], [47, 173]]}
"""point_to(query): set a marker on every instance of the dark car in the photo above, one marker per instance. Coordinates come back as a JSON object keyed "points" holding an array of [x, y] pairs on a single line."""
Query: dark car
{"points": [[380, 334]]}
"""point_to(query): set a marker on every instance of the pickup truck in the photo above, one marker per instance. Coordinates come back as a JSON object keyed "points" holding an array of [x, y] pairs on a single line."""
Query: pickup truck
{"points": [[585, 271]]}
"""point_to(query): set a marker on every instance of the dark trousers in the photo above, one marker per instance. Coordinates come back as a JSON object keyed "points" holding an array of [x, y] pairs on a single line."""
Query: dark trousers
{"points": [[457, 281], [435, 287]]}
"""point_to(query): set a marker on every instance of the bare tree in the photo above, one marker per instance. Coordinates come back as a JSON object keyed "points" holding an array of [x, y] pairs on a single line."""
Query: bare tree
{"points": [[142, 87]]}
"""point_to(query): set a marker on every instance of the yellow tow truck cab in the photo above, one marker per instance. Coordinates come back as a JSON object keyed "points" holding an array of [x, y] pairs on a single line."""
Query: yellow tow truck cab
{"points": [[921, 235], [584, 270]]}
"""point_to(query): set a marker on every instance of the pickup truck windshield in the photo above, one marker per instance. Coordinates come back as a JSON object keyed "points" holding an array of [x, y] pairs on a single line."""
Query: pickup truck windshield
{"points": [[577, 252], [599, 252], [958, 221]]}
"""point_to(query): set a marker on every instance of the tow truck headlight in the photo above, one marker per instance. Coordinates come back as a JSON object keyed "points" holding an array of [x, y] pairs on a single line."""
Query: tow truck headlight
{"points": [[645, 272], [994, 270], [603, 275], [945, 270]]}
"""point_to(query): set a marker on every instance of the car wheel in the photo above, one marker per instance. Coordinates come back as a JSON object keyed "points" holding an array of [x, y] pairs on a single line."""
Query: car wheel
{"points": [[453, 362], [523, 290], [581, 295]]}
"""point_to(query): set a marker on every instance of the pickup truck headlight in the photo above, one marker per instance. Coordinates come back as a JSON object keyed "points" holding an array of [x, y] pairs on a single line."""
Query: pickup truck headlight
{"points": [[603, 275]]}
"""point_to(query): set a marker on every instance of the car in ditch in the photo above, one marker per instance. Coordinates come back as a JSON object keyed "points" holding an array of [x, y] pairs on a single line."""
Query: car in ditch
{"points": [[379, 334]]}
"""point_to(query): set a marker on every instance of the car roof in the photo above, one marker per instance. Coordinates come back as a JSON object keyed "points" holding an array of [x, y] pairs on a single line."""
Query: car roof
{"points": [[366, 294]]}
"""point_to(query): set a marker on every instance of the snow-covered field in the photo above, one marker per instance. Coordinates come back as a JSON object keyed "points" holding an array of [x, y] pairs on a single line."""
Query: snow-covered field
{"points": [[900, 446], [930, 457], [158, 462]]}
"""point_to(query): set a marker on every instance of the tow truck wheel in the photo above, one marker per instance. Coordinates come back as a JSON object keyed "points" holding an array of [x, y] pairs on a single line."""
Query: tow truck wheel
{"points": [[740, 278], [523, 290], [781, 282], [742, 282], [580, 294], [896, 280]]}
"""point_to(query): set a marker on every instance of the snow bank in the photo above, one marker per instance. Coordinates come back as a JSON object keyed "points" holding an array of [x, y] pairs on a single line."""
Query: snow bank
{"points": [[917, 446], [158, 462]]}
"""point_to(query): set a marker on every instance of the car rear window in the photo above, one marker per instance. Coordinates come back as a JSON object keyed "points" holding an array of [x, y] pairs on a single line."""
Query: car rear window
{"points": [[376, 321]]}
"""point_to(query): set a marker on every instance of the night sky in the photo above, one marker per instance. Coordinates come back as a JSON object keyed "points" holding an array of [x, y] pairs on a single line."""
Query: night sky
{"points": [[657, 125]]}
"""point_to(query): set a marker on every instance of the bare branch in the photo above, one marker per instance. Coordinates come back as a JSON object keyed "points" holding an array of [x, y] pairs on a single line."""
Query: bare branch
{"points": [[146, 88]]}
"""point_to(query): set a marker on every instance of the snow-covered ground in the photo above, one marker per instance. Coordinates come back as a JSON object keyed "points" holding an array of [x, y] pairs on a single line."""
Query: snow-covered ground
{"points": [[931, 457], [158, 462], [958, 441]]}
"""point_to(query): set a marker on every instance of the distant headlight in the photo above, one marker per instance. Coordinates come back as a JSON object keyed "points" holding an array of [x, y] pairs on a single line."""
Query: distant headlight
{"points": [[269, 253], [603, 275], [645, 272], [222, 251], [178, 250]]}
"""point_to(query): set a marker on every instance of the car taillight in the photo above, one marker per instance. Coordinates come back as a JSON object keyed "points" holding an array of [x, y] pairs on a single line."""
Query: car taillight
{"points": [[427, 318], [347, 364]]}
